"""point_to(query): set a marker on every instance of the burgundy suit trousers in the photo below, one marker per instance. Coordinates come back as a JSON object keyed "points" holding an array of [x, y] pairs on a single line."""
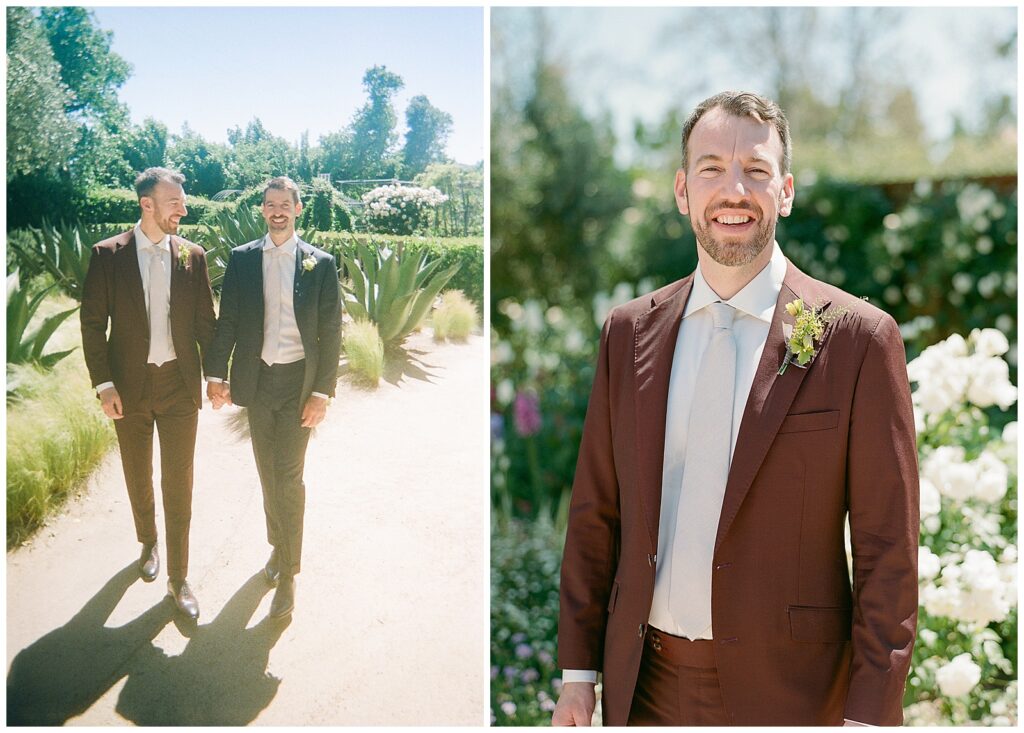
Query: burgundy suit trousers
{"points": [[168, 404], [678, 683]]}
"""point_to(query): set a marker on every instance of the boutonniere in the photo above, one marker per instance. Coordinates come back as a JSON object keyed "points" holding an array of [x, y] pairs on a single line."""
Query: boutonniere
{"points": [[183, 258], [804, 337], [308, 263]]}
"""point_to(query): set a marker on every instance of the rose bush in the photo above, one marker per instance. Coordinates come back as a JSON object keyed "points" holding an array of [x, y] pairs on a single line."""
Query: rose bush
{"points": [[399, 209]]}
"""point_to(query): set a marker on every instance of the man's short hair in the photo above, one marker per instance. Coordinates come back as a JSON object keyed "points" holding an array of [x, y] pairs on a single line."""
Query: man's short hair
{"points": [[744, 104], [146, 181], [282, 183]]}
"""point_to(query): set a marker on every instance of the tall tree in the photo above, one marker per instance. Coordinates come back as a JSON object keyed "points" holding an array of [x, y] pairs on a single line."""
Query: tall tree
{"points": [[203, 163], [257, 155], [427, 134], [40, 137], [373, 129]]}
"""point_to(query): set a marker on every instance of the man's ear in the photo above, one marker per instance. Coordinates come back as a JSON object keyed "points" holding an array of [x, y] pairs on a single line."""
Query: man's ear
{"points": [[298, 208], [146, 203], [680, 190], [786, 199]]}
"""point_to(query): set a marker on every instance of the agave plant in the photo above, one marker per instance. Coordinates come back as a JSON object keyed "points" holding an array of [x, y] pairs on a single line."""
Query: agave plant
{"points": [[392, 290], [61, 250], [25, 347], [232, 229]]}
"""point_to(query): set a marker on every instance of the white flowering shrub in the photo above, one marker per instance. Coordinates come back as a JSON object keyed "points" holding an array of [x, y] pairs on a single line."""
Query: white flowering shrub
{"points": [[398, 209], [965, 663]]}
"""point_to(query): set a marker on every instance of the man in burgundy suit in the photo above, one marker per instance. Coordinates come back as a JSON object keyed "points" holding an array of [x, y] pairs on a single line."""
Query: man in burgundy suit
{"points": [[705, 573], [153, 290]]}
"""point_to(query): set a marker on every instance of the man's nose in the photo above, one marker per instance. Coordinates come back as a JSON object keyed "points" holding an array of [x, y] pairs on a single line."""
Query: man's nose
{"points": [[734, 183]]}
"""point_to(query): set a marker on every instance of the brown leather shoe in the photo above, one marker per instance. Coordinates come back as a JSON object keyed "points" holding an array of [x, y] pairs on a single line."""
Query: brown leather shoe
{"points": [[284, 598], [271, 570], [183, 598], [149, 563]]}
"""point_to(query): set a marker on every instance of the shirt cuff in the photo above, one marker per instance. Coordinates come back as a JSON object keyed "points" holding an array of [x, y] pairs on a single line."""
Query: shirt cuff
{"points": [[217, 380], [320, 395], [854, 722], [105, 385], [579, 675]]}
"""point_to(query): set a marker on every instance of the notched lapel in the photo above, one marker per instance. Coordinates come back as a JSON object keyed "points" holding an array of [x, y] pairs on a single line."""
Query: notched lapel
{"points": [[654, 334], [179, 276], [771, 394], [126, 267]]}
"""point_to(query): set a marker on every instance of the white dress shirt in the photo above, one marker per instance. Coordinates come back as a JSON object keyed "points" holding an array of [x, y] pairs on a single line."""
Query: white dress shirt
{"points": [[282, 342], [144, 251]]}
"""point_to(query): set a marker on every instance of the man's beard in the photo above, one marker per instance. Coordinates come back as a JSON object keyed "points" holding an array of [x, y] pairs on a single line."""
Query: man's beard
{"points": [[278, 226], [734, 251], [167, 226]]}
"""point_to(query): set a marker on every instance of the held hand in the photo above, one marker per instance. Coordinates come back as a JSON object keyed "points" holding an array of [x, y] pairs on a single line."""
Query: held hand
{"points": [[575, 705], [110, 401], [314, 411], [219, 394]]}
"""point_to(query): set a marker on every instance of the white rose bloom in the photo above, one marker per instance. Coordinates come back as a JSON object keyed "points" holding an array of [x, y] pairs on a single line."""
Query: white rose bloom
{"points": [[985, 597], [505, 392], [958, 677], [958, 481], [931, 500], [928, 565], [940, 600], [928, 637], [993, 477], [955, 345], [932, 525], [990, 383], [1009, 435], [989, 342]]}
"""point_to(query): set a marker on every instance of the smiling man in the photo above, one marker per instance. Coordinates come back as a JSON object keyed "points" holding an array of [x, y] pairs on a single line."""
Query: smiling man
{"points": [[280, 313], [153, 290], [705, 572]]}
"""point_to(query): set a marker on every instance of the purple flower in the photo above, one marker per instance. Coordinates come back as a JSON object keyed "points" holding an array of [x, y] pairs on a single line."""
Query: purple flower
{"points": [[494, 672], [517, 637], [545, 657], [523, 651], [497, 426], [509, 708], [527, 414], [556, 682], [509, 672], [530, 675], [548, 706]]}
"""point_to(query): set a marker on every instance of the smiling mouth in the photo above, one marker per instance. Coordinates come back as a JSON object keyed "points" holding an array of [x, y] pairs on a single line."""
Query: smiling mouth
{"points": [[732, 220]]}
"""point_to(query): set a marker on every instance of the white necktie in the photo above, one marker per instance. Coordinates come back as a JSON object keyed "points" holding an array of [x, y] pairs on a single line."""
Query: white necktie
{"points": [[159, 307], [272, 291], [705, 473]]}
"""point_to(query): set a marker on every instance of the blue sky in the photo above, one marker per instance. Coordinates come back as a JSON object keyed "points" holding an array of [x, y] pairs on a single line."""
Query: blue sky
{"points": [[298, 68]]}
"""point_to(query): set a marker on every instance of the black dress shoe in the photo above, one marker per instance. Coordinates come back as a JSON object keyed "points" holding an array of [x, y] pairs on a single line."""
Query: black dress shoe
{"points": [[149, 563], [183, 598], [271, 570], [284, 598]]}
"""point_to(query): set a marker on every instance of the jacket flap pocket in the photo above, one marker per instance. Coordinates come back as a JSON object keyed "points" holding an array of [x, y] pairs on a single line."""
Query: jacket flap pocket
{"points": [[804, 421], [614, 597], [812, 623]]}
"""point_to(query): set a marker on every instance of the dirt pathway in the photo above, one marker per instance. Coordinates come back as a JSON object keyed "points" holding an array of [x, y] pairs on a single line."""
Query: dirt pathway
{"points": [[390, 625]]}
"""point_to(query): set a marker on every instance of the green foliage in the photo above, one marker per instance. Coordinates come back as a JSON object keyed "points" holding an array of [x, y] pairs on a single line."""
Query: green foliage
{"points": [[525, 562], [556, 192], [391, 289], [455, 317], [372, 133], [121, 205], [427, 133], [466, 252], [203, 164], [463, 213], [62, 251], [324, 209], [145, 147], [230, 228], [40, 137], [24, 346], [257, 156], [364, 350], [56, 437]]}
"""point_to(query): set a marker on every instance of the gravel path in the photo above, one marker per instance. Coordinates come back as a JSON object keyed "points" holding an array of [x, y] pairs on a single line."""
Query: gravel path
{"points": [[390, 625]]}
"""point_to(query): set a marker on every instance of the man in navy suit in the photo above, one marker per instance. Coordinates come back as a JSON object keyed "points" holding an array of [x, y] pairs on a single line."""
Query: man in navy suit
{"points": [[280, 313]]}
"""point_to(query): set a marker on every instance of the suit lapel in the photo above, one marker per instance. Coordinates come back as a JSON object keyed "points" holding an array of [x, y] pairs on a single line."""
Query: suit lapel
{"points": [[771, 394], [129, 277], [178, 277], [654, 345], [256, 263]]}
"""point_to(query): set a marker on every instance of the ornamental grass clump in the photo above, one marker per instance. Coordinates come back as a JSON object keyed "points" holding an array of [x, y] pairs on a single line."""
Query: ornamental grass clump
{"points": [[56, 436], [365, 351], [455, 318]]}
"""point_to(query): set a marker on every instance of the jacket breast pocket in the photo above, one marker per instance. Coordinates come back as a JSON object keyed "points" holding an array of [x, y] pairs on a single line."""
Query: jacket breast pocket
{"points": [[818, 624], [614, 597], [807, 421]]}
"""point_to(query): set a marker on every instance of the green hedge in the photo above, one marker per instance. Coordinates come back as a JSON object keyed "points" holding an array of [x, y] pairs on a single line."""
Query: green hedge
{"points": [[109, 204]]}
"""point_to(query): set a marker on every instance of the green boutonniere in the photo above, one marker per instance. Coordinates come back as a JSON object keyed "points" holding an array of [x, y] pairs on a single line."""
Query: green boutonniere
{"points": [[308, 263], [183, 257], [804, 337]]}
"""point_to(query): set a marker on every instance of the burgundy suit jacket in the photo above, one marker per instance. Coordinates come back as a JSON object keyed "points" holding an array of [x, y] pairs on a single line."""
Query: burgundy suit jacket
{"points": [[113, 295], [795, 642]]}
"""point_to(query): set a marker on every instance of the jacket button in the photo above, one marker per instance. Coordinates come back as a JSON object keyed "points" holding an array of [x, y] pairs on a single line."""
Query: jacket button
{"points": [[651, 559], [723, 565], [640, 630]]}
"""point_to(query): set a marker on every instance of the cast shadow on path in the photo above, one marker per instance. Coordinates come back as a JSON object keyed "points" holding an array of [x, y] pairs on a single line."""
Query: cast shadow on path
{"points": [[62, 674], [220, 679], [400, 363]]}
